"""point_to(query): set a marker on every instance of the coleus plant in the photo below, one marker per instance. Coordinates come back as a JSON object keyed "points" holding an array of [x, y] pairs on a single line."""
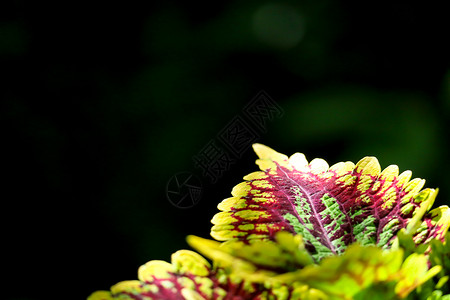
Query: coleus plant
{"points": [[305, 230]]}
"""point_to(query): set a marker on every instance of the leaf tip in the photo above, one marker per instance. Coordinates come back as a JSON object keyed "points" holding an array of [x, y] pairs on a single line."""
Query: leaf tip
{"points": [[265, 152], [369, 165], [298, 161], [100, 295]]}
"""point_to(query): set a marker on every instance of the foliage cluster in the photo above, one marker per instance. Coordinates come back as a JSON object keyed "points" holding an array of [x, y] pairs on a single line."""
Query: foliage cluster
{"points": [[305, 230]]}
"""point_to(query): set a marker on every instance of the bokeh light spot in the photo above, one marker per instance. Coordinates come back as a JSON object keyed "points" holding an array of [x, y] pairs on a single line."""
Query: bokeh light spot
{"points": [[278, 25]]}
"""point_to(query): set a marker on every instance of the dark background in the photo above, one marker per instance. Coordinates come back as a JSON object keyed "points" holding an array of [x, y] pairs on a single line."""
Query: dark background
{"points": [[101, 104]]}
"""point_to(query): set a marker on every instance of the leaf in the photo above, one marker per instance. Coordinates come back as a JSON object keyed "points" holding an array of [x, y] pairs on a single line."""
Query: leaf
{"points": [[437, 295], [440, 256], [361, 272], [190, 277], [415, 272], [261, 261], [257, 261], [331, 207]]}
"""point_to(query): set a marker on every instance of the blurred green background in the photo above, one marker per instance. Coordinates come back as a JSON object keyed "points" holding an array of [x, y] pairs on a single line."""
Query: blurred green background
{"points": [[102, 103]]}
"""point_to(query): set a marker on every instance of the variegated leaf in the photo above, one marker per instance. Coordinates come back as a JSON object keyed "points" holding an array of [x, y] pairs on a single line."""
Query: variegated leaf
{"points": [[191, 277], [331, 207]]}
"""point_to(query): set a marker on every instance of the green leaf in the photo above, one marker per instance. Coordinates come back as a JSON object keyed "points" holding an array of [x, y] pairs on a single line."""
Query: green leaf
{"points": [[346, 275], [415, 273], [257, 261], [440, 256], [360, 272], [437, 295]]}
